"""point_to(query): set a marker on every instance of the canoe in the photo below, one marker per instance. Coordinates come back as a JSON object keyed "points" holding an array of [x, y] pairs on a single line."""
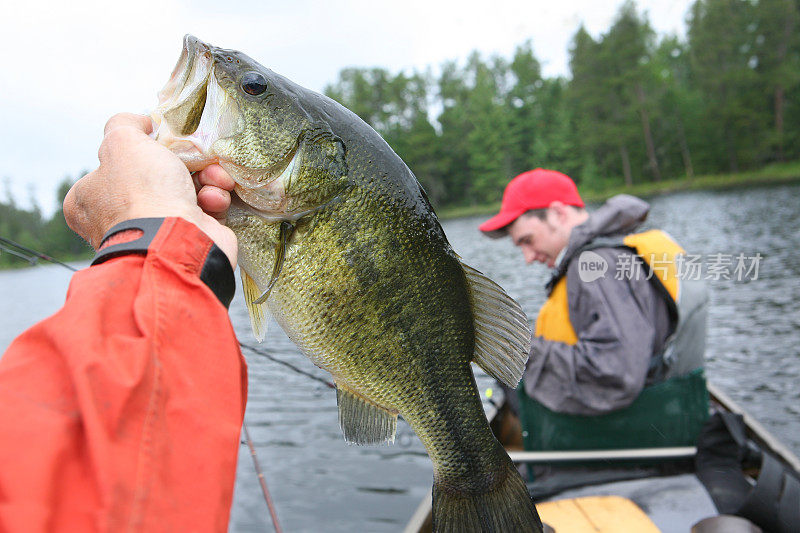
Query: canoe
{"points": [[649, 489]]}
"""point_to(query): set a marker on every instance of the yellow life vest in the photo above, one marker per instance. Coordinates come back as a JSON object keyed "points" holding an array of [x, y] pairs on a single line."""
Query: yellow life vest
{"points": [[656, 248]]}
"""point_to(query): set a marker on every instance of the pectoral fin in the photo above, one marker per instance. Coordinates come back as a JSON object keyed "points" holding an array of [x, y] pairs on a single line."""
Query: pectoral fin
{"points": [[286, 230], [502, 334], [258, 313], [362, 421]]}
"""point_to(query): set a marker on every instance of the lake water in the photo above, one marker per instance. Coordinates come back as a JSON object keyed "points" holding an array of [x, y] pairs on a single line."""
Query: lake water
{"points": [[320, 483]]}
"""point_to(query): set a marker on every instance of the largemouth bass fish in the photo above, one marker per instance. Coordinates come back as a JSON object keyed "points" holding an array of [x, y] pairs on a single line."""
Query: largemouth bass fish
{"points": [[339, 243]]}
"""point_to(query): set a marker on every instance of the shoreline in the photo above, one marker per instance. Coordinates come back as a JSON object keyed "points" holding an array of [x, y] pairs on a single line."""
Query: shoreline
{"points": [[771, 175], [777, 174]]}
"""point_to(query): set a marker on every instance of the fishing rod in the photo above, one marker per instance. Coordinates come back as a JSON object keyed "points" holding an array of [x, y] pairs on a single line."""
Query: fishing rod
{"points": [[272, 513], [4, 248], [29, 254]]}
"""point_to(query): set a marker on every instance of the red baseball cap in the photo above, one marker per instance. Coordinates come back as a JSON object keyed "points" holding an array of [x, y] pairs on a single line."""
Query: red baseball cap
{"points": [[535, 189]]}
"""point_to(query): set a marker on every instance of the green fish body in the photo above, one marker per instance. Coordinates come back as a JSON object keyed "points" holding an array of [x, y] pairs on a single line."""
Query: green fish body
{"points": [[338, 242]]}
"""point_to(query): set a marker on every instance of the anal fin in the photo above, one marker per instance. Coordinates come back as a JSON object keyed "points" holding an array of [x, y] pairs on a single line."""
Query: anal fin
{"points": [[258, 312], [362, 421]]}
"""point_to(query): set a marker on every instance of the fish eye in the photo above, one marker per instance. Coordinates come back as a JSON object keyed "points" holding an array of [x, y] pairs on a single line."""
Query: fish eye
{"points": [[254, 83]]}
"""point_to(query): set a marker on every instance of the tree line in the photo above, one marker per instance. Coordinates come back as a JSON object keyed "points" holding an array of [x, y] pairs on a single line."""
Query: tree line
{"points": [[637, 107]]}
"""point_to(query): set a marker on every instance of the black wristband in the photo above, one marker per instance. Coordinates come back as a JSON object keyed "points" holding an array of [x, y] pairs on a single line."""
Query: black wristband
{"points": [[217, 274], [148, 226]]}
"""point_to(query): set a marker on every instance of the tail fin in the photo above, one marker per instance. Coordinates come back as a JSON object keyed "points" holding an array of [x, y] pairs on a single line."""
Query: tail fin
{"points": [[507, 507]]}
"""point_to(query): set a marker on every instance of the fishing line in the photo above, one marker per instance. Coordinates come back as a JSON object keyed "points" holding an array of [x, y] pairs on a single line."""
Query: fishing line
{"points": [[292, 367], [288, 365]]}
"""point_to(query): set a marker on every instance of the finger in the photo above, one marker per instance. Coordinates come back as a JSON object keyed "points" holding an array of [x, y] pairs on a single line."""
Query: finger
{"points": [[213, 200], [216, 176], [140, 122], [122, 130]]}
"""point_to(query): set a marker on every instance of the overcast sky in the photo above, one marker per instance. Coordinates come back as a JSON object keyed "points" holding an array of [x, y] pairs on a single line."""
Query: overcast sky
{"points": [[68, 66]]}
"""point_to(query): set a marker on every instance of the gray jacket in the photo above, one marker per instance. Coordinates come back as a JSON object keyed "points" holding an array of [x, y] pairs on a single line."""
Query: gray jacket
{"points": [[620, 323]]}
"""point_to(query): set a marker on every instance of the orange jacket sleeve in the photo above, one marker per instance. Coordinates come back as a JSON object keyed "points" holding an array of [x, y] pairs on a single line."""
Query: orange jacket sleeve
{"points": [[122, 412]]}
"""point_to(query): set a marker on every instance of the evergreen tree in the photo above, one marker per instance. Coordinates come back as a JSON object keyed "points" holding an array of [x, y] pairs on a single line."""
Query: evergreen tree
{"points": [[456, 126], [678, 105], [722, 36], [778, 51], [489, 139], [588, 99], [523, 105]]}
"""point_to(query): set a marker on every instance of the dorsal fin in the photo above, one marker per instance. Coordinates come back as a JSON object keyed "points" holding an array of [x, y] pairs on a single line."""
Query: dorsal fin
{"points": [[502, 334], [258, 312]]}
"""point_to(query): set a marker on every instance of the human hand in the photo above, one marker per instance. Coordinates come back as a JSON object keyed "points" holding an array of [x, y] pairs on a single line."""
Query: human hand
{"points": [[139, 178]]}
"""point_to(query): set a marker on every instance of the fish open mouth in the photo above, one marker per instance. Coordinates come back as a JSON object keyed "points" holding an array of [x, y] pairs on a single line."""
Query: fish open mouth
{"points": [[193, 111]]}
